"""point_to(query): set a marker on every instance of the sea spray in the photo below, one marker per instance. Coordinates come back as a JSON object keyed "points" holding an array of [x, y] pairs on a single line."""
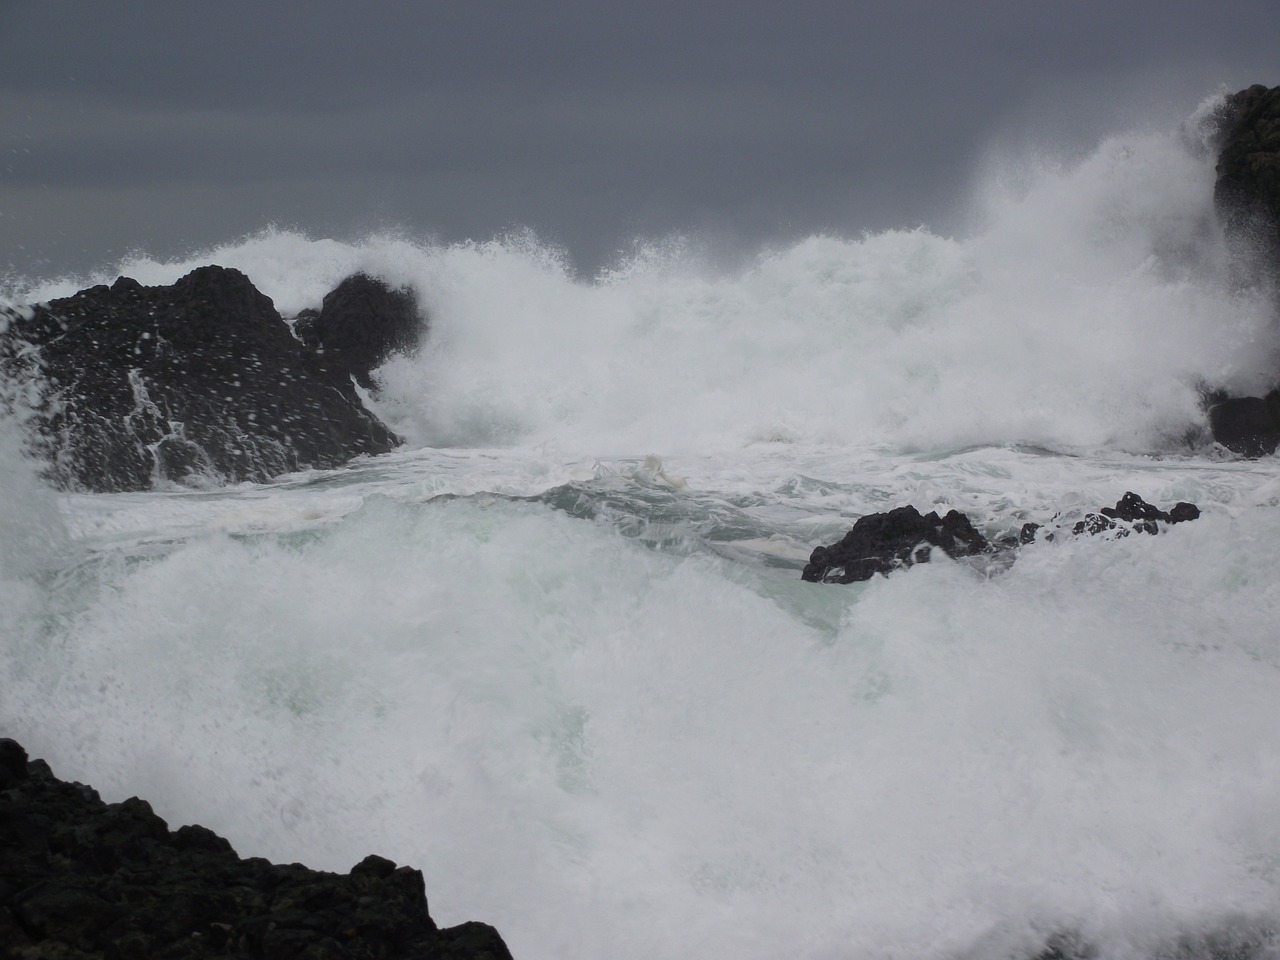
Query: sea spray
{"points": [[1090, 309], [33, 536]]}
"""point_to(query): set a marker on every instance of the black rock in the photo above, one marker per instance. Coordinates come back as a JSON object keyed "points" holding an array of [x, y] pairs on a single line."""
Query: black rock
{"points": [[199, 379], [882, 542], [13, 763], [79, 877], [1132, 507], [1249, 426], [1138, 515], [1093, 524], [360, 324], [1246, 193], [1246, 196]]}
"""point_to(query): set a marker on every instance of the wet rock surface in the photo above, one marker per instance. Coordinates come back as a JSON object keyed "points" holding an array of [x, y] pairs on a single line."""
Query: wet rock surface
{"points": [[80, 878], [198, 381], [1246, 196], [1246, 192], [361, 324], [1249, 426], [885, 542], [1132, 514]]}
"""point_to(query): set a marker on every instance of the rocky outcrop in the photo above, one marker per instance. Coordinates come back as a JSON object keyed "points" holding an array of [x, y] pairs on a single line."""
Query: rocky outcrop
{"points": [[882, 542], [1131, 514], [1249, 426], [885, 542], [361, 324], [1246, 193], [80, 878], [198, 380], [1246, 196]]}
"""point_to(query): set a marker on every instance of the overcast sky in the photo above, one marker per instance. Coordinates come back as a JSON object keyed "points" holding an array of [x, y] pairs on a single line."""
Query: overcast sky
{"points": [[170, 125]]}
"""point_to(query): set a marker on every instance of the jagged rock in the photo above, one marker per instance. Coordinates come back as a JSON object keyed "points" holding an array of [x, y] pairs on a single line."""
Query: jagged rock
{"points": [[83, 878], [1140, 517], [884, 542], [360, 324], [1132, 508], [881, 542], [198, 379]]}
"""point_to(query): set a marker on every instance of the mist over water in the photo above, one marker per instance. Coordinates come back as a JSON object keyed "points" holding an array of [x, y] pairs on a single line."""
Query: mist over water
{"points": [[598, 707]]}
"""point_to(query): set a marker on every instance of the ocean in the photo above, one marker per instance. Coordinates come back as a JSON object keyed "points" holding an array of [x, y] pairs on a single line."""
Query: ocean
{"points": [[556, 653]]}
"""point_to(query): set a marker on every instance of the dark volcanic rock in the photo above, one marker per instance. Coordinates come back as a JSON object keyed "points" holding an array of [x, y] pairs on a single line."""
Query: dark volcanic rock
{"points": [[1139, 516], [1246, 196], [1247, 191], [139, 384], [82, 878], [360, 324], [884, 542], [1249, 426], [1132, 508], [881, 542]]}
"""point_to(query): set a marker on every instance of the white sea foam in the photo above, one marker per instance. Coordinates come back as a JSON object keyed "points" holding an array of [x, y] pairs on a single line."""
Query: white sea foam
{"points": [[613, 751], [33, 534]]}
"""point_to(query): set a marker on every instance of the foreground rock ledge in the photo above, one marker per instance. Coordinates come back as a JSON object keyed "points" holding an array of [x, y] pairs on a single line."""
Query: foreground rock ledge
{"points": [[80, 878]]}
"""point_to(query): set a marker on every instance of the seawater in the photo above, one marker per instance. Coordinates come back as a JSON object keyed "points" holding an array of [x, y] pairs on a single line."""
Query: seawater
{"points": [[585, 690]]}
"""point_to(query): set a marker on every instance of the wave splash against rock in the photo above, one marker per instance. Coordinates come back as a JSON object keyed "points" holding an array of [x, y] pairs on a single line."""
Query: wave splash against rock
{"points": [[201, 379]]}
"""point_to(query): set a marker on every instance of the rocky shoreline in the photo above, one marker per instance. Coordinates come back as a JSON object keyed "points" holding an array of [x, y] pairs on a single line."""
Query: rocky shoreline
{"points": [[201, 381], [80, 878]]}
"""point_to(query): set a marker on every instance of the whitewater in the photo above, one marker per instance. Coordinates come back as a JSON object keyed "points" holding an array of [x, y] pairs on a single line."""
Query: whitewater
{"points": [[556, 652]]}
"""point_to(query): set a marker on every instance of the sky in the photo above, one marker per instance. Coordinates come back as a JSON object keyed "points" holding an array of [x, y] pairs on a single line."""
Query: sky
{"points": [[165, 127]]}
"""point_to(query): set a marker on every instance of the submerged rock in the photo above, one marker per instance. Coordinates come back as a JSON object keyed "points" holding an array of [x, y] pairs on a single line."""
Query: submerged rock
{"points": [[83, 878], [201, 379], [361, 324], [884, 542]]}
